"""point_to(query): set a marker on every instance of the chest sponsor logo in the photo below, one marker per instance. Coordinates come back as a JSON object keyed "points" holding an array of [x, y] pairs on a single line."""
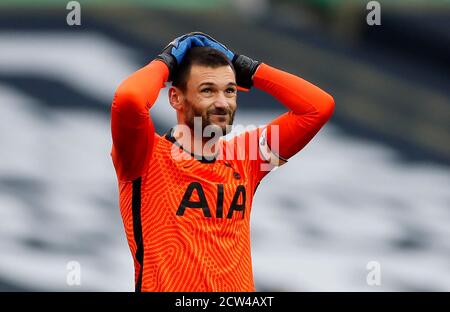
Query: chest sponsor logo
{"points": [[190, 201]]}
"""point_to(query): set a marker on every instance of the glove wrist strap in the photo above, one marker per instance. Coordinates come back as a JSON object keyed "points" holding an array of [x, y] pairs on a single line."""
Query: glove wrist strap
{"points": [[245, 68], [170, 61]]}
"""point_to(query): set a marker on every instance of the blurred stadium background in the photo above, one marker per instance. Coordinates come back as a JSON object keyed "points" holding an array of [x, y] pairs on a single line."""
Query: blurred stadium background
{"points": [[374, 185]]}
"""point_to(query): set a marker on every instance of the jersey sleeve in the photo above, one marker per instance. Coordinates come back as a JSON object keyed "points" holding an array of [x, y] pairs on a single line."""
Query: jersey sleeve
{"points": [[309, 108], [132, 129]]}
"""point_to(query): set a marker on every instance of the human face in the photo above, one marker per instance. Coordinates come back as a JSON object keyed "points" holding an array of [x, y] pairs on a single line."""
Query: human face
{"points": [[210, 94]]}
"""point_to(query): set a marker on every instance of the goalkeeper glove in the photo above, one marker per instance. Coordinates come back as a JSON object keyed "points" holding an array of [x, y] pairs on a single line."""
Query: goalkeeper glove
{"points": [[173, 54]]}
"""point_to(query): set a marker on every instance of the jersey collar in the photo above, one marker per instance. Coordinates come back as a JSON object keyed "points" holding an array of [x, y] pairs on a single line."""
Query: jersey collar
{"points": [[207, 160]]}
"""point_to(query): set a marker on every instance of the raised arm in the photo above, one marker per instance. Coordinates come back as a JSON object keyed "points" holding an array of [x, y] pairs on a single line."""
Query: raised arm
{"points": [[309, 109], [131, 125], [309, 106]]}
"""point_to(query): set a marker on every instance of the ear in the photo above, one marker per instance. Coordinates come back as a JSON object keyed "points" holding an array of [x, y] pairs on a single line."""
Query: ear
{"points": [[176, 98]]}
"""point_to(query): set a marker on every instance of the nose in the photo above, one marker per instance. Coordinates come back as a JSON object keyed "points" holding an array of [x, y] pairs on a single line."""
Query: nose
{"points": [[221, 101]]}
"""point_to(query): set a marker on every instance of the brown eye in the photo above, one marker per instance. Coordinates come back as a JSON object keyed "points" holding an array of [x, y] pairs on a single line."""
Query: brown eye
{"points": [[206, 90], [231, 90]]}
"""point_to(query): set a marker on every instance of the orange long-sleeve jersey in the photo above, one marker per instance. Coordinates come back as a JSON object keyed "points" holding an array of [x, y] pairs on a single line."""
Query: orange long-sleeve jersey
{"points": [[188, 220]]}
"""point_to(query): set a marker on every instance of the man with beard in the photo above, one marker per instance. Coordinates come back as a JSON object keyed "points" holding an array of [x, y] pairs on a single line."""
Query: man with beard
{"points": [[186, 196]]}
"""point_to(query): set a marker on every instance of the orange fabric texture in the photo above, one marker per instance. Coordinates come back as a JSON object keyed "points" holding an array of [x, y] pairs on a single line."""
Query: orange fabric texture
{"points": [[188, 221], [309, 108]]}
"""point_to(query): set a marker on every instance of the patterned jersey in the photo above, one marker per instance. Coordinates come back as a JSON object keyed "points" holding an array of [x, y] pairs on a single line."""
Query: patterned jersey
{"points": [[188, 221]]}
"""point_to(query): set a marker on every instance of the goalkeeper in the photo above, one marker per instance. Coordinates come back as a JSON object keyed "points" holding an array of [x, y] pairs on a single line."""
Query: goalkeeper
{"points": [[186, 195]]}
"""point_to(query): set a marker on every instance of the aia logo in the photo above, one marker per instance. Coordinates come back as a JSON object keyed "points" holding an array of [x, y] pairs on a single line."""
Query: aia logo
{"points": [[237, 203]]}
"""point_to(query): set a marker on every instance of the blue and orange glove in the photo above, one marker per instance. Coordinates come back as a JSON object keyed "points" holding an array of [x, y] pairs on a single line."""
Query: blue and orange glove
{"points": [[174, 52]]}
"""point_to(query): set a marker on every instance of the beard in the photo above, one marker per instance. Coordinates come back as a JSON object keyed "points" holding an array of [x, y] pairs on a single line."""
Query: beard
{"points": [[207, 117]]}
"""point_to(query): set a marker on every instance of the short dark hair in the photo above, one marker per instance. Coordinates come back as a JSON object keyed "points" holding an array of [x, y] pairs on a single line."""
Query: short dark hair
{"points": [[203, 56]]}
